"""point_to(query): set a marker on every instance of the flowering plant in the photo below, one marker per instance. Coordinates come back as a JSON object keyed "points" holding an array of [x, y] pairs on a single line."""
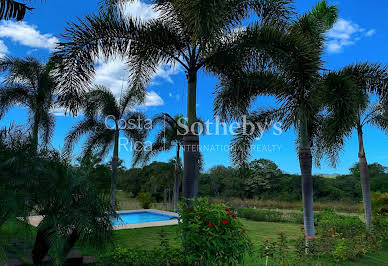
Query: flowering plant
{"points": [[213, 233]]}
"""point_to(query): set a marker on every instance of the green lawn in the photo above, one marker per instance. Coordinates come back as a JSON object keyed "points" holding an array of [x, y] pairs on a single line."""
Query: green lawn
{"points": [[148, 238]]}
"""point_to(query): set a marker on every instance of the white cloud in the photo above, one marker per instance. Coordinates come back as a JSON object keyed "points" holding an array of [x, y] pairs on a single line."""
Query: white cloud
{"points": [[3, 49], [28, 35], [345, 33], [113, 74], [153, 99], [370, 33], [139, 10]]}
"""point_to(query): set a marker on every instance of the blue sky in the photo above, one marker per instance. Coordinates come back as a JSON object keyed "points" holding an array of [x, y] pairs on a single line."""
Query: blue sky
{"points": [[359, 35]]}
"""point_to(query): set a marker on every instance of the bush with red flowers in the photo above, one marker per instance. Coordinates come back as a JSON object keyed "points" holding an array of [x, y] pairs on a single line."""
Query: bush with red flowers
{"points": [[212, 233], [380, 226]]}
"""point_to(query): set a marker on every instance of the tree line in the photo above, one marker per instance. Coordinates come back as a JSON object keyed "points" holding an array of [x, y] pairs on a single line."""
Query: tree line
{"points": [[262, 180]]}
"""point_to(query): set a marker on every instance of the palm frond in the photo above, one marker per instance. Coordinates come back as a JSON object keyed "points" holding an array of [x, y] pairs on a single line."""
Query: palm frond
{"points": [[83, 127], [101, 102], [81, 45], [256, 124], [99, 141], [13, 95], [10, 9]]}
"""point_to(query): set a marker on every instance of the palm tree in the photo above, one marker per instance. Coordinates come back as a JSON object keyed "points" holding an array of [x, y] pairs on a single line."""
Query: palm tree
{"points": [[12, 9], [30, 84], [165, 140], [105, 118], [197, 35], [350, 107], [296, 90]]}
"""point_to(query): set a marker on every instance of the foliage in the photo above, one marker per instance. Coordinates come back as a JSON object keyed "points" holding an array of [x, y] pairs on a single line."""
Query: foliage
{"points": [[46, 184], [278, 251], [379, 202], [213, 233], [154, 178], [380, 226], [347, 226], [145, 199], [271, 216]]}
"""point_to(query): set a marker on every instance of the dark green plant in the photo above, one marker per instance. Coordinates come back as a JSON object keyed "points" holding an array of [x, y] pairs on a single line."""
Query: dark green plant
{"points": [[103, 123]]}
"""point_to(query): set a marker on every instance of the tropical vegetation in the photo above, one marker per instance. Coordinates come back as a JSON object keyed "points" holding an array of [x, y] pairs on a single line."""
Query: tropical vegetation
{"points": [[53, 201]]}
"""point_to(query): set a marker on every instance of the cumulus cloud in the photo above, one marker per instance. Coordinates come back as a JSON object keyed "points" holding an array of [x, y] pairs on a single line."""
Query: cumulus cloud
{"points": [[28, 35], [3, 49], [139, 10], [345, 33], [113, 74]]}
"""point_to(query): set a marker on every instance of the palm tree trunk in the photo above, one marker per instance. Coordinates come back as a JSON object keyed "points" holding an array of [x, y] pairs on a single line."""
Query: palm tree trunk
{"points": [[191, 142], [306, 162], [176, 181], [35, 133], [41, 245], [364, 176], [115, 160]]}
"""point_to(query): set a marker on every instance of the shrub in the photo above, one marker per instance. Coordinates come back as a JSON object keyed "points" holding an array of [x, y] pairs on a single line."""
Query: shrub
{"points": [[212, 233], [271, 216], [145, 199], [347, 226], [140, 257], [380, 226], [379, 202]]}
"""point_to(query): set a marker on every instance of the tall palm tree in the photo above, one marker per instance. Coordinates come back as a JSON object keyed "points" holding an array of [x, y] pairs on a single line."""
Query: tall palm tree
{"points": [[29, 83], [197, 35], [167, 138], [296, 90], [104, 119], [12, 9], [350, 106]]}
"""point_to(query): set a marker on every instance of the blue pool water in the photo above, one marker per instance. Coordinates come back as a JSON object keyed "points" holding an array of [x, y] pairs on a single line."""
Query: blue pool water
{"points": [[140, 217]]}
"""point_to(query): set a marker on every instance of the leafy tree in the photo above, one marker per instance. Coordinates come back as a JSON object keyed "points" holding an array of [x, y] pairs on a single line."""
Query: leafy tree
{"points": [[263, 174], [28, 83], [350, 107], [104, 119], [197, 35], [295, 84], [99, 173]]}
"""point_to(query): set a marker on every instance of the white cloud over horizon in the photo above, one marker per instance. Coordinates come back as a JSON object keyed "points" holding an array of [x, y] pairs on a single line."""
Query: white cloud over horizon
{"points": [[345, 33], [27, 35]]}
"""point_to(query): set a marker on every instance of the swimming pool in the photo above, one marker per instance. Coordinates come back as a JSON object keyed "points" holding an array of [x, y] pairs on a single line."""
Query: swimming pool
{"points": [[140, 217]]}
